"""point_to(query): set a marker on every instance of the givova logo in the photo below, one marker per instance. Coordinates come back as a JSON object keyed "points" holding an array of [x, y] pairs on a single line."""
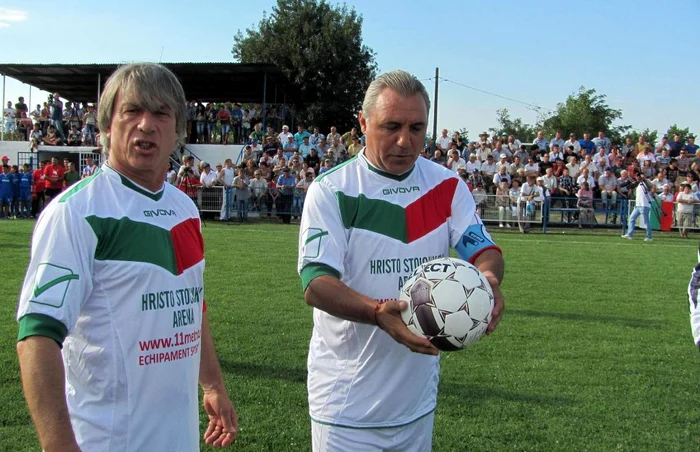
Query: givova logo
{"points": [[399, 190], [160, 213], [51, 284]]}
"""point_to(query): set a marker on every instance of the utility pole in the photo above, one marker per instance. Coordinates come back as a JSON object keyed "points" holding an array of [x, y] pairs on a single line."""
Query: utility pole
{"points": [[435, 103]]}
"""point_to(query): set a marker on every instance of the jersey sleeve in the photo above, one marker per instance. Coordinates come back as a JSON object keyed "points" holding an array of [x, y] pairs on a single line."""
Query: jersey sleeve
{"points": [[59, 277], [693, 289], [322, 237], [468, 235]]}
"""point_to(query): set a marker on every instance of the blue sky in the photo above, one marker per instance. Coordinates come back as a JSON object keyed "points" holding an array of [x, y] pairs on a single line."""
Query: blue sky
{"points": [[642, 54]]}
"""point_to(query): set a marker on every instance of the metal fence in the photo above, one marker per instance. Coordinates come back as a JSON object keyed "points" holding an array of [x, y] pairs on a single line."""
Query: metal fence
{"points": [[260, 205]]}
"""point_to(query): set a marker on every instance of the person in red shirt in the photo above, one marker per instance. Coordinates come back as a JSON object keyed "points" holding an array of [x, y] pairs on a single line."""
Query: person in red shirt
{"points": [[38, 189], [53, 178], [224, 117]]}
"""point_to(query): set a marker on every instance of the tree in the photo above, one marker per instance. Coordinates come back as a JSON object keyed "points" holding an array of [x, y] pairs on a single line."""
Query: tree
{"points": [[674, 129], [650, 136], [585, 112], [319, 48], [523, 132]]}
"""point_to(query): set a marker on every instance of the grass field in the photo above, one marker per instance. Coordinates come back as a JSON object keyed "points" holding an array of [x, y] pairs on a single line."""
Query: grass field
{"points": [[594, 352]]}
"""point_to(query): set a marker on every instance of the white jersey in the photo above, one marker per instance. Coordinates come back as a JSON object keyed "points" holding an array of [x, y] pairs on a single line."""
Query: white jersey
{"points": [[371, 229], [693, 288], [116, 277]]}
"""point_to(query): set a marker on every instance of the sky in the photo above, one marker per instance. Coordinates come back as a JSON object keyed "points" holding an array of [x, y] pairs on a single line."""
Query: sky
{"points": [[642, 54]]}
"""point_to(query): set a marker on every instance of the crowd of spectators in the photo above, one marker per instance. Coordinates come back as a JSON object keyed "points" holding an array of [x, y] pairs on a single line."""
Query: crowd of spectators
{"points": [[274, 171], [575, 175]]}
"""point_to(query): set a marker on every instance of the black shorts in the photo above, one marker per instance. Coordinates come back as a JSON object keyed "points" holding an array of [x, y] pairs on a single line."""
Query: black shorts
{"points": [[52, 192]]}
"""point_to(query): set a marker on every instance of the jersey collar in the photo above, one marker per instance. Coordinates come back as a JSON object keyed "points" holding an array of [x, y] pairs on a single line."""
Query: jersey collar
{"points": [[128, 183], [382, 173]]}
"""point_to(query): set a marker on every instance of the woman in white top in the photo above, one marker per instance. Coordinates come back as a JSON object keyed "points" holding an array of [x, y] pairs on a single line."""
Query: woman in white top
{"points": [[685, 202]]}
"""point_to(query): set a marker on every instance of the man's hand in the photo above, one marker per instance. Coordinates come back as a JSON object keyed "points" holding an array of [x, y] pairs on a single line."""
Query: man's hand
{"points": [[389, 319], [498, 304], [223, 420]]}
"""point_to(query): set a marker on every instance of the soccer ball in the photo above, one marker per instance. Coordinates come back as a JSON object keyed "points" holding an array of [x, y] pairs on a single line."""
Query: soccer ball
{"points": [[449, 302]]}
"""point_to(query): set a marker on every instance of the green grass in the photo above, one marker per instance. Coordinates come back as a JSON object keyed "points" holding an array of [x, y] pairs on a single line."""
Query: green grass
{"points": [[594, 352]]}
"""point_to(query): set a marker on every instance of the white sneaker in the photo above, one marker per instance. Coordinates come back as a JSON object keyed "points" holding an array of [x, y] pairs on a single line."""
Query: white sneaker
{"points": [[647, 239], [625, 236]]}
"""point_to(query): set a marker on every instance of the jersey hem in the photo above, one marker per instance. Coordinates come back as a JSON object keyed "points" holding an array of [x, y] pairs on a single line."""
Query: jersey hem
{"points": [[377, 426]]}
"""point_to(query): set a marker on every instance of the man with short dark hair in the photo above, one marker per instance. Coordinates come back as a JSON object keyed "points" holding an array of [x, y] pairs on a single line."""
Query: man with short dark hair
{"points": [[351, 221]]}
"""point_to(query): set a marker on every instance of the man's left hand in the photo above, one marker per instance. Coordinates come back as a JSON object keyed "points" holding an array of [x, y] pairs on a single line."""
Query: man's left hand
{"points": [[223, 420], [498, 304]]}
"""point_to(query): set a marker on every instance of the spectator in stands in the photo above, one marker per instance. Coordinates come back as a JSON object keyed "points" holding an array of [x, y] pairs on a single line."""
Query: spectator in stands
{"points": [[208, 177], [305, 147], [641, 147], [322, 147], [36, 136], [74, 136], [691, 148], [223, 117], [558, 168], [316, 137], [663, 160], [586, 176], [258, 187], [480, 197], [333, 135], [170, 175], [242, 183], [628, 147], [483, 152], [648, 168], [607, 184], [587, 146], [71, 175], [200, 118], [212, 112], [531, 167], [541, 142], [52, 137], [313, 160], [327, 164], [686, 201], [557, 141], [483, 139], [454, 159], [527, 196], [355, 147], [501, 176], [295, 165], [567, 190], [438, 158], [676, 145], [488, 170], [286, 184], [601, 141], [587, 164], [443, 141], [303, 184], [550, 183], [301, 134], [503, 204], [545, 163], [660, 180], [279, 166], [283, 137], [572, 141], [664, 194], [337, 148], [90, 126], [257, 135], [347, 138], [574, 167], [56, 107], [585, 205], [289, 146]]}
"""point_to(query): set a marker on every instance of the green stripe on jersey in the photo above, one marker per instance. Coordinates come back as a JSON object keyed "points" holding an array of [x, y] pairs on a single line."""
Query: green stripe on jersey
{"points": [[41, 325], [374, 215], [79, 186], [335, 168], [127, 240]]}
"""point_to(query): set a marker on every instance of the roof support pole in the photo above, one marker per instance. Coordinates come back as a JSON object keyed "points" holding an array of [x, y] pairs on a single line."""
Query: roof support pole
{"points": [[264, 105], [2, 132], [99, 86]]}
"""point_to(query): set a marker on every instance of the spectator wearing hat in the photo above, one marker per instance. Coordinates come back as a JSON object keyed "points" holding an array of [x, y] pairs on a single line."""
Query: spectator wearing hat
{"points": [[691, 148], [286, 184], [208, 177], [686, 201], [483, 139], [327, 164]]}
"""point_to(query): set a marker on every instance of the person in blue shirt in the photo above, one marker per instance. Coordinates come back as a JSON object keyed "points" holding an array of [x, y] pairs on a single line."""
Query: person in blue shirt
{"points": [[691, 148], [25, 191], [5, 192], [587, 145], [14, 182], [286, 184]]}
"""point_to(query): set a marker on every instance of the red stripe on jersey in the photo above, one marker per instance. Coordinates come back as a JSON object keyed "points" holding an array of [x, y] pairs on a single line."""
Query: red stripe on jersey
{"points": [[431, 210], [188, 244]]}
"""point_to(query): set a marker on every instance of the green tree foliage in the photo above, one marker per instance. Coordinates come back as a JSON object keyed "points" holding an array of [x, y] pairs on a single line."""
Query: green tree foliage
{"points": [[585, 112], [650, 136], [674, 129], [516, 127], [318, 46]]}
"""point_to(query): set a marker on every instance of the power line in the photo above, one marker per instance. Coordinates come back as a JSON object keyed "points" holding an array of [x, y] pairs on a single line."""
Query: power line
{"points": [[528, 104]]}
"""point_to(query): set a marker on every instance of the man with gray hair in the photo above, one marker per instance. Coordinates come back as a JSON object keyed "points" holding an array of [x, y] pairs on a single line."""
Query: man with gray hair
{"points": [[357, 226], [113, 329]]}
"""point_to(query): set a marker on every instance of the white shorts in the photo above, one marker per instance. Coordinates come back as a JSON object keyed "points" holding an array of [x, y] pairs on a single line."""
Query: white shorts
{"points": [[414, 437]]}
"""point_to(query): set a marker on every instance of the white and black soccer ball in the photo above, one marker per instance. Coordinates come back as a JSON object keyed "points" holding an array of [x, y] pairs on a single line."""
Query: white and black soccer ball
{"points": [[449, 302]]}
